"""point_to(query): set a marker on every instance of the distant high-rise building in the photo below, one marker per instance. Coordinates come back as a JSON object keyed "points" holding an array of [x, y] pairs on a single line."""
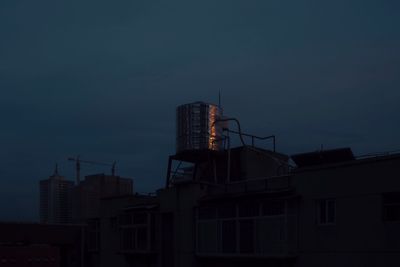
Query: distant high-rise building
{"points": [[89, 192], [56, 199]]}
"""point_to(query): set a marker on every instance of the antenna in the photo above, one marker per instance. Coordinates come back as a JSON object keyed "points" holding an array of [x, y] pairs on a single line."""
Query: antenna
{"points": [[219, 98], [56, 170]]}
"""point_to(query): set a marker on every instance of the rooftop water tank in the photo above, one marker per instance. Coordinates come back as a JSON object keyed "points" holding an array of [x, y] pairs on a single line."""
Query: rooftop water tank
{"points": [[197, 128]]}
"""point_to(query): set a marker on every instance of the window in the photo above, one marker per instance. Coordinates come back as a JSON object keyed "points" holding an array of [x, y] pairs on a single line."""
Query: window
{"points": [[207, 236], [128, 238], [228, 236], [114, 223], [391, 207], [141, 238], [246, 234], [227, 211], [136, 231], [326, 211], [244, 227], [273, 208], [207, 213], [248, 209], [140, 218], [93, 232], [125, 219]]}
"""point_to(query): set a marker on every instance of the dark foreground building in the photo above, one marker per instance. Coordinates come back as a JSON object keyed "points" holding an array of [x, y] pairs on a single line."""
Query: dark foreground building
{"points": [[32, 244], [330, 209], [247, 206], [244, 206]]}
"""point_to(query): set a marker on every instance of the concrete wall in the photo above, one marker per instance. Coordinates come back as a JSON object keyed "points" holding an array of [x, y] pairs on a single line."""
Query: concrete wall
{"points": [[180, 201], [359, 236], [110, 253], [110, 237], [67, 240]]}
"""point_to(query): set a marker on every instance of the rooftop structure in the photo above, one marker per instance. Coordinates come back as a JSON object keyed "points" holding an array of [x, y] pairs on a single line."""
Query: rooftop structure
{"points": [[198, 127]]}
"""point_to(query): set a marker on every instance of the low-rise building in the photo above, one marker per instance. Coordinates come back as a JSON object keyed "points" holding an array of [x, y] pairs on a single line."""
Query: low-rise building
{"points": [[36, 244]]}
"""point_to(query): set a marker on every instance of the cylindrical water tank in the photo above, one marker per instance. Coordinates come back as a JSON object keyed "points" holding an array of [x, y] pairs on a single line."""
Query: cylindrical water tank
{"points": [[197, 128]]}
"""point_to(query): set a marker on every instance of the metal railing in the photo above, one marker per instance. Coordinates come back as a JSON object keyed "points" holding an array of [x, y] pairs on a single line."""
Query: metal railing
{"points": [[272, 184]]}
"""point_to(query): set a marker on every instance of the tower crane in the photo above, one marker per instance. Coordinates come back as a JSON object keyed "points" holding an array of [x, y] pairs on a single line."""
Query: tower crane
{"points": [[78, 162]]}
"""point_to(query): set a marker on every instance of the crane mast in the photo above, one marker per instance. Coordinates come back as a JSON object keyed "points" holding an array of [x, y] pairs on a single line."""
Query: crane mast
{"points": [[78, 162]]}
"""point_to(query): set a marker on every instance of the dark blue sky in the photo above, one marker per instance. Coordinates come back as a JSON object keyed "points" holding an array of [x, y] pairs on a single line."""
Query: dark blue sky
{"points": [[102, 79]]}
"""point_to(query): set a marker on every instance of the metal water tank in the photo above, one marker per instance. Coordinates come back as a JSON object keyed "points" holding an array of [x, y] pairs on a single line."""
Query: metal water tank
{"points": [[197, 128]]}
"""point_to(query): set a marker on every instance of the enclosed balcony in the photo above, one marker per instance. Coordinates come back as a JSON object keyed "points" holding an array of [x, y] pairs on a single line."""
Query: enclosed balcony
{"points": [[251, 227]]}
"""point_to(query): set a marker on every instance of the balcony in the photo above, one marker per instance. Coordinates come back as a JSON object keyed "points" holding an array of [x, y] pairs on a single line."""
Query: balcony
{"points": [[137, 233], [251, 229], [273, 184]]}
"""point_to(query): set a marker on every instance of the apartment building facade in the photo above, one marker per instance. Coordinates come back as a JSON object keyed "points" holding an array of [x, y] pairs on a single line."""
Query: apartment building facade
{"points": [[56, 199], [331, 209], [89, 192]]}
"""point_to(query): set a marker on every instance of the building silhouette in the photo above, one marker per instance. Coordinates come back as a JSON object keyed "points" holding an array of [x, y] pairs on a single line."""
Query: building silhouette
{"points": [[327, 209], [56, 199], [251, 206], [88, 193], [36, 244], [245, 206]]}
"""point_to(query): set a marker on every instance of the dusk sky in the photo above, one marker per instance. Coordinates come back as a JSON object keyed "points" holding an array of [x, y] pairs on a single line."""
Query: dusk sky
{"points": [[102, 79]]}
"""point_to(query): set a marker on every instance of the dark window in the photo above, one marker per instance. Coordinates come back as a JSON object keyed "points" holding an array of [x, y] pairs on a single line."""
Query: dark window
{"points": [[391, 207], [248, 209], [228, 235], [167, 240], [246, 233], [331, 211], [126, 219], [140, 218], [273, 207], [206, 213], [128, 239], [322, 211], [326, 211], [290, 206], [136, 235], [141, 238], [207, 236], [93, 232], [227, 211], [113, 223]]}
